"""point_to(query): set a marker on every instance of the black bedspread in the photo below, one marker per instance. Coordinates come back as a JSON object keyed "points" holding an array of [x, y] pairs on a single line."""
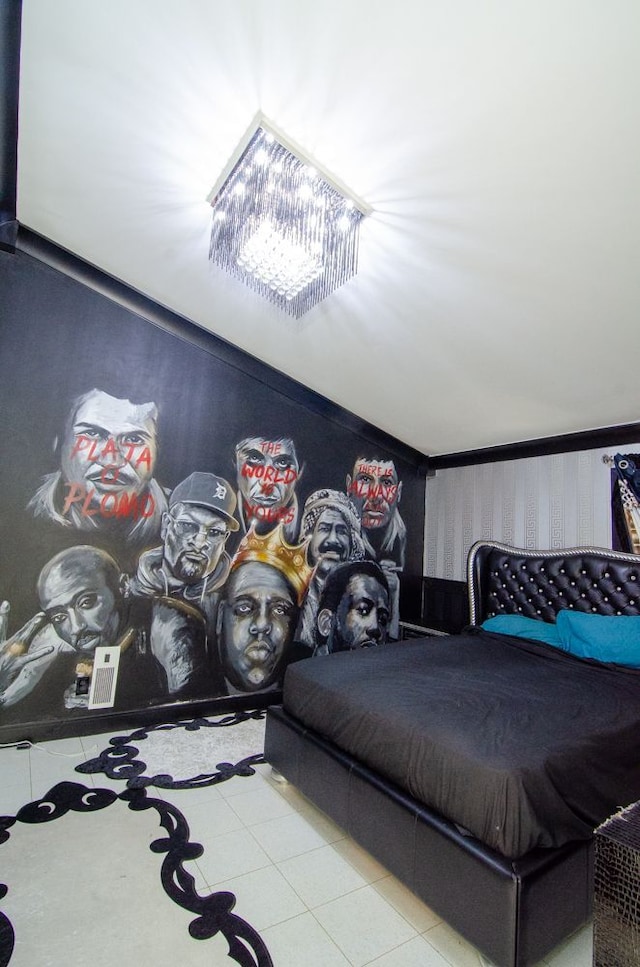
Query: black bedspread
{"points": [[518, 743]]}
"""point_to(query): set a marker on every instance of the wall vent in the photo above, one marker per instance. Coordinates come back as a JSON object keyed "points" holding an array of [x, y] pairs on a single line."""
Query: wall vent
{"points": [[105, 676]]}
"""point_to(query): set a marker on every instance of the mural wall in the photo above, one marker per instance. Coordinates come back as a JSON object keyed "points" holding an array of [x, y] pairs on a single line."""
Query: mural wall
{"points": [[167, 509]]}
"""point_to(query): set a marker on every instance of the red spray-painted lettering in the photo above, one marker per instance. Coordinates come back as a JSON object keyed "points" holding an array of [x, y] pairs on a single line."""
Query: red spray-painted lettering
{"points": [[271, 446], [372, 469], [109, 505], [365, 489], [269, 474], [270, 515], [92, 451]]}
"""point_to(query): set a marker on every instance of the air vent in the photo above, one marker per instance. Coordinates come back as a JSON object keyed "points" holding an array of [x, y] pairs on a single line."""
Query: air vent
{"points": [[105, 676]]}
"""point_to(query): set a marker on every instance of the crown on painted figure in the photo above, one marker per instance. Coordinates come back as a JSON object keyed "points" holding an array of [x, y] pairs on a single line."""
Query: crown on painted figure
{"points": [[273, 549]]}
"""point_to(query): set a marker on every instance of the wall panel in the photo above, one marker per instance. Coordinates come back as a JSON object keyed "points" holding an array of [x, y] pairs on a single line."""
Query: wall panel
{"points": [[560, 500]]}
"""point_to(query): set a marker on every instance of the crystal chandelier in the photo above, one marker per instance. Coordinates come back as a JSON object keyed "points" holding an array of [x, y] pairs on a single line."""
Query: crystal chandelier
{"points": [[281, 225]]}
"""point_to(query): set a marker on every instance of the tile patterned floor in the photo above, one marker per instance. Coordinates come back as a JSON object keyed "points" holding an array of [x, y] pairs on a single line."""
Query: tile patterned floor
{"points": [[317, 899]]}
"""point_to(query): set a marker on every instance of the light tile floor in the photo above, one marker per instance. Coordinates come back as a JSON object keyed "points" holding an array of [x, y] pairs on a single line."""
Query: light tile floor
{"points": [[317, 899]]}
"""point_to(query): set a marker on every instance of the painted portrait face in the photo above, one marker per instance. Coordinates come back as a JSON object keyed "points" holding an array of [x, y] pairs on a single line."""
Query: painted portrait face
{"points": [[110, 446], [363, 614], [375, 491], [330, 542], [80, 601], [257, 621], [194, 539], [267, 473]]}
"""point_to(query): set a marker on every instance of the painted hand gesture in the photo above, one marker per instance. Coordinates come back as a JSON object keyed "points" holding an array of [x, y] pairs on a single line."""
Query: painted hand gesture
{"points": [[21, 665]]}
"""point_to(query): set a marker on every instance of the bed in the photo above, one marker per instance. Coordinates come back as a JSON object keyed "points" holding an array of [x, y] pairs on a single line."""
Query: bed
{"points": [[476, 767]]}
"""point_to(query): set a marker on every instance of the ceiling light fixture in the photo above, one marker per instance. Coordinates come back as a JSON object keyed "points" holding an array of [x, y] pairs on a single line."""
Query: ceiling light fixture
{"points": [[281, 224]]}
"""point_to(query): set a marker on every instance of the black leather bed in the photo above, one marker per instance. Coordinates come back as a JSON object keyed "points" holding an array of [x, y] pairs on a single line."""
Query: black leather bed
{"points": [[475, 767]]}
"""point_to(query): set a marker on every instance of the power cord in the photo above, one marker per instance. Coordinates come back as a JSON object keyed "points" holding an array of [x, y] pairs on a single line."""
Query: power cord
{"points": [[27, 744]]}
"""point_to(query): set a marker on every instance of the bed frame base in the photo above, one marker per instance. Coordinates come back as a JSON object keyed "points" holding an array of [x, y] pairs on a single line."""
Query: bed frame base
{"points": [[513, 911]]}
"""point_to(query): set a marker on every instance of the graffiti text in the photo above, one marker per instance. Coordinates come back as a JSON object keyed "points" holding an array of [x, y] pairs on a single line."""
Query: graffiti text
{"points": [[371, 491], [94, 451], [270, 515], [110, 505], [269, 474]]}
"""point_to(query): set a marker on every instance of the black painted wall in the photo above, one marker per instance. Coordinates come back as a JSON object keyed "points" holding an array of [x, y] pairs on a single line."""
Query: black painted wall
{"points": [[60, 339]]}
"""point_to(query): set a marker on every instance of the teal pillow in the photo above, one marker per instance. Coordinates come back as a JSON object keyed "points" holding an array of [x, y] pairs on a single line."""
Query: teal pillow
{"points": [[607, 638], [521, 627]]}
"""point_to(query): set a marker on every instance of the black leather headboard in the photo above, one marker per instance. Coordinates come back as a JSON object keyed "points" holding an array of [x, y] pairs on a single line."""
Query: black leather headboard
{"points": [[538, 584]]}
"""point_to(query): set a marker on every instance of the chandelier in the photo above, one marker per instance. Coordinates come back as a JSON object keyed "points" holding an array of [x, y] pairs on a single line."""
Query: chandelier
{"points": [[281, 225]]}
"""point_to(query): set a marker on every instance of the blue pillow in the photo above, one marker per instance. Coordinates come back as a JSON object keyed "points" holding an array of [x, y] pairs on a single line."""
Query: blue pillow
{"points": [[607, 638], [521, 627]]}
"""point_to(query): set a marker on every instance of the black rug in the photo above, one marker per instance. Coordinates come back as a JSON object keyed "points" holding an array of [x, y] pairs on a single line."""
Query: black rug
{"points": [[123, 760]]}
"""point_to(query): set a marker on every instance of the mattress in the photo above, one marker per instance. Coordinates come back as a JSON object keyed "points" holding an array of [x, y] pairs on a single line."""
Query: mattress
{"points": [[518, 743]]}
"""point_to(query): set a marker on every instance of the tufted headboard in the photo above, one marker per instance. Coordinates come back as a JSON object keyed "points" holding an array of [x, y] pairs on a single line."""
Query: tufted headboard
{"points": [[538, 584]]}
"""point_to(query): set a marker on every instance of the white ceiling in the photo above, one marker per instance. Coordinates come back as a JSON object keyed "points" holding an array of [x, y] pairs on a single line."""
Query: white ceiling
{"points": [[497, 141]]}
